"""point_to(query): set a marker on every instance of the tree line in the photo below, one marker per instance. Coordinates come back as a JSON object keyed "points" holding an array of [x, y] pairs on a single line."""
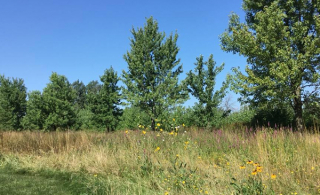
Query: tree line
{"points": [[280, 86]]}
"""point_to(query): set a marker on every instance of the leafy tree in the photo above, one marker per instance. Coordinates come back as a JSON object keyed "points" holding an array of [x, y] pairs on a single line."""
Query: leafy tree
{"points": [[282, 44], [201, 83], [12, 102], [132, 117], [35, 115], [80, 99], [104, 103], [153, 69], [58, 97]]}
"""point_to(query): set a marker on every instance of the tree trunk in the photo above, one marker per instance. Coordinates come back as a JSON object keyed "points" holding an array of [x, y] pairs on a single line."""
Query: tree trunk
{"points": [[298, 121]]}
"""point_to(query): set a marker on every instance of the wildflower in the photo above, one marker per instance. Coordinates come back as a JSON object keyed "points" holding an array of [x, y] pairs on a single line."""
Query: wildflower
{"points": [[249, 162], [161, 130], [186, 142], [158, 124], [242, 167], [166, 193], [256, 164], [199, 157], [174, 119], [157, 149], [183, 182], [183, 125], [259, 168], [139, 126], [127, 131], [144, 132], [177, 155], [171, 133], [95, 175], [273, 176], [206, 192], [158, 135], [254, 172]]}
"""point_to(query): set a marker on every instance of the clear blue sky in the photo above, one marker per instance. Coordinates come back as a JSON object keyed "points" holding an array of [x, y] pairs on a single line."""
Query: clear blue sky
{"points": [[80, 39]]}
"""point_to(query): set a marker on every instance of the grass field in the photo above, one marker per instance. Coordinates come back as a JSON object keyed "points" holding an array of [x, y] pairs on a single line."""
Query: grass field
{"points": [[186, 161]]}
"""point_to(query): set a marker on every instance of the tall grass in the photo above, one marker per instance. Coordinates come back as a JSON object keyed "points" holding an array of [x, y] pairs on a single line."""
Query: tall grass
{"points": [[187, 162]]}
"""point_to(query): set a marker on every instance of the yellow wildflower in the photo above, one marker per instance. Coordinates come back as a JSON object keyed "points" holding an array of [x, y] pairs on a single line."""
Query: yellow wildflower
{"points": [[161, 130], [254, 172], [183, 125], [144, 132], [174, 119], [158, 124], [256, 164], [242, 167], [249, 162], [157, 149], [259, 168], [273, 176], [171, 133], [127, 131]]}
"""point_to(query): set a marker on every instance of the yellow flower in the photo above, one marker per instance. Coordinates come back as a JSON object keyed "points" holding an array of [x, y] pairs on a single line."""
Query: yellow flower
{"points": [[158, 135], [183, 125], [183, 182], [171, 133], [177, 155], [161, 130], [199, 157], [259, 168], [157, 149], [144, 132], [249, 162], [242, 167], [273, 176], [166, 193], [127, 131], [158, 124], [139, 126], [95, 175], [174, 119], [206, 192], [186, 142], [254, 172]]}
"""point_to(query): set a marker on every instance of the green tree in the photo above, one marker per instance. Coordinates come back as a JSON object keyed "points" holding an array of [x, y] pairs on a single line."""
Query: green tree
{"points": [[35, 115], [104, 104], [12, 103], [81, 93], [58, 97], [282, 44], [153, 69], [201, 83]]}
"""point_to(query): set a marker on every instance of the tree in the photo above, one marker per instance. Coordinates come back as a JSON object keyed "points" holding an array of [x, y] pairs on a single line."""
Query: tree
{"points": [[281, 41], [80, 99], [153, 69], [201, 83], [104, 103], [58, 97], [35, 116], [12, 102]]}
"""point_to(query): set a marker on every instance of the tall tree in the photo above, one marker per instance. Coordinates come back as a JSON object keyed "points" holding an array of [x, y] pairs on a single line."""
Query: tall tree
{"points": [[80, 90], [104, 102], [153, 69], [201, 83], [35, 115], [58, 97], [281, 41], [12, 102]]}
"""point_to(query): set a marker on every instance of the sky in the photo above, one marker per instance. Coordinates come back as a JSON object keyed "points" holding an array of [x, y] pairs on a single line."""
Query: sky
{"points": [[80, 39]]}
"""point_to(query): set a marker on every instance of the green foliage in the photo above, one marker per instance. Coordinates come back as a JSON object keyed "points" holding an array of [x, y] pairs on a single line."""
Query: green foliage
{"points": [[132, 117], [35, 115], [12, 103], [58, 99], [80, 100], [153, 69], [104, 104], [201, 83], [281, 43]]}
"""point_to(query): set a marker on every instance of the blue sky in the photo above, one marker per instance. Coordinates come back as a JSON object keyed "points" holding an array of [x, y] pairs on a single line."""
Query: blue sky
{"points": [[80, 39]]}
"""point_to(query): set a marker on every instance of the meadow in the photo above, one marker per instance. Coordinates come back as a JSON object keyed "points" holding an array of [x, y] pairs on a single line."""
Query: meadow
{"points": [[181, 161]]}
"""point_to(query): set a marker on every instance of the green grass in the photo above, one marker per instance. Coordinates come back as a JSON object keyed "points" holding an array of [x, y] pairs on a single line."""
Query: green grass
{"points": [[148, 162], [12, 183]]}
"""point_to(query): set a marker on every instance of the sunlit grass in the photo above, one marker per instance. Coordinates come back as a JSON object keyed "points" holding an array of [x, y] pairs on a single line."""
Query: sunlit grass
{"points": [[182, 161]]}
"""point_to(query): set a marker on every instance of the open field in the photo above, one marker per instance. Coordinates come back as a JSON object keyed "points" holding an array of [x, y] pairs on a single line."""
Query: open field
{"points": [[143, 162]]}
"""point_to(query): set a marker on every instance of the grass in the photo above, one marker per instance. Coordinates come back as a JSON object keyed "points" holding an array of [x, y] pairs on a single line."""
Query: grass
{"points": [[184, 161]]}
